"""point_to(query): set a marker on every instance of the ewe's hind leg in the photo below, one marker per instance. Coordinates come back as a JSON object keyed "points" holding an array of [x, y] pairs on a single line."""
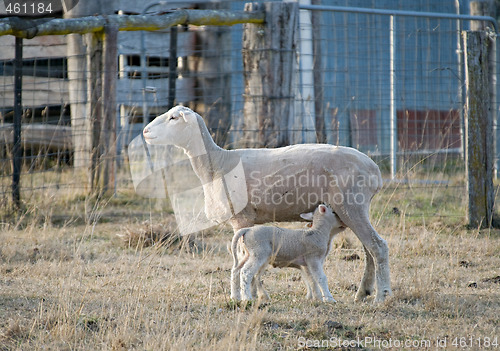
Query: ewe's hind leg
{"points": [[355, 216], [367, 285]]}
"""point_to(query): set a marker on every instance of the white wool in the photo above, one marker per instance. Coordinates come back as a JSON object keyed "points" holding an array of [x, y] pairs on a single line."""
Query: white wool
{"points": [[305, 249]]}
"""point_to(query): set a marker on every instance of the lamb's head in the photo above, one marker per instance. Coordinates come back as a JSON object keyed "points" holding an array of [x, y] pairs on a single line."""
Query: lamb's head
{"points": [[323, 215], [174, 127]]}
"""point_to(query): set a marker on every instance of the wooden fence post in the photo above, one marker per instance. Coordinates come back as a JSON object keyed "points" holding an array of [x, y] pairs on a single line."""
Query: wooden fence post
{"points": [[489, 8], [318, 72], [109, 113], [269, 59], [94, 107], [78, 96], [214, 81], [479, 127], [17, 152], [85, 54], [481, 8]]}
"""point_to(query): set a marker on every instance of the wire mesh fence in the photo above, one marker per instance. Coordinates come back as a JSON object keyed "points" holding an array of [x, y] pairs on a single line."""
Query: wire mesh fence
{"points": [[343, 94]]}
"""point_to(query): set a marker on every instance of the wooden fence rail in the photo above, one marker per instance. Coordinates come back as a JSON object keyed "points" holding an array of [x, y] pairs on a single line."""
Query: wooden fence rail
{"points": [[30, 28]]}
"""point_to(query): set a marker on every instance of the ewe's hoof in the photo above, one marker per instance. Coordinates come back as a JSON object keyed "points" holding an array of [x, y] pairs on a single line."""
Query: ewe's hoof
{"points": [[329, 300], [264, 298], [246, 303], [361, 295], [381, 297]]}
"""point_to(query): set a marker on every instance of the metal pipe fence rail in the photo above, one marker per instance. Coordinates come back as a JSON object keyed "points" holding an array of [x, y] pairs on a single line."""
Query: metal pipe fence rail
{"points": [[390, 83]]}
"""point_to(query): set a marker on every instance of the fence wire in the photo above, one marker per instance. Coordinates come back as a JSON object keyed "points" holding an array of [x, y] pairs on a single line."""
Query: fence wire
{"points": [[342, 77]]}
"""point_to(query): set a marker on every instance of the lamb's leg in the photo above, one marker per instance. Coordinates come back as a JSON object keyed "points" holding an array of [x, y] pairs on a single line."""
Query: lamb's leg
{"points": [[309, 291], [313, 290], [319, 276], [236, 275], [235, 284], [254, 287], [257, 284], [356, 217], [248, 272]]}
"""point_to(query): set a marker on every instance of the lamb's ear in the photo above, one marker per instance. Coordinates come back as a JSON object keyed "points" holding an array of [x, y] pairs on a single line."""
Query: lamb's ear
{"points": [[322, 209], [307, 216]]}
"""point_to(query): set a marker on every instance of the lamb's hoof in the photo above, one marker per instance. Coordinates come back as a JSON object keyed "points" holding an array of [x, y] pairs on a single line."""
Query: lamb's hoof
{"points": [[329, 300], [233, 304]]}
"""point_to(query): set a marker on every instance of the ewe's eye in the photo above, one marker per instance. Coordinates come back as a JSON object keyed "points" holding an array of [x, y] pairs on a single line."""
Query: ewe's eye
{"points": [[173, 117]]}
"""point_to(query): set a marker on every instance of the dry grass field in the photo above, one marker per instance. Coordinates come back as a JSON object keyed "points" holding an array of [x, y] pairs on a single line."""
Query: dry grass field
{"points": [[69, 282]]}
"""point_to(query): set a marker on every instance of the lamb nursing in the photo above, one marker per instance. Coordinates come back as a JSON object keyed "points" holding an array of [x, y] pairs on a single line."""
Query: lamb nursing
{"points": [[280, 184], [305, 249]]}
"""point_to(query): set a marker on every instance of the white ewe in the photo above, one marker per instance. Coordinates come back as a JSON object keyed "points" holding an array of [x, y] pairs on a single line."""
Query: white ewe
{"points": [[305, 249], [281, 183]]}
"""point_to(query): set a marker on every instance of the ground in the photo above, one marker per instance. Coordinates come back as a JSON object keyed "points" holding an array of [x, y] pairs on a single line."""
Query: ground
{"points": [[69, 282]]}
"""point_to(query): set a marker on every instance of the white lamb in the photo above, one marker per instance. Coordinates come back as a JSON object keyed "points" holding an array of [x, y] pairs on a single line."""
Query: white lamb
{"points": [[305, 249], [281, 183]]}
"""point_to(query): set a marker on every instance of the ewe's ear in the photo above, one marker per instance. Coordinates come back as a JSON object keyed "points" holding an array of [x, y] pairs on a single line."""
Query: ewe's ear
{"points": [[307, 216], [188, 116]]}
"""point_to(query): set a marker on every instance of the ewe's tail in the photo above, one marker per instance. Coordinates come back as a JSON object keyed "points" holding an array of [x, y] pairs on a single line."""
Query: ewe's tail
{"points": [[234, 248]]}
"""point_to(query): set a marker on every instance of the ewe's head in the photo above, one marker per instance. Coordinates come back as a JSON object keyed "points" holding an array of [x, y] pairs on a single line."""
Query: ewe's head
{"points": [[175, 127], [323, 214]]}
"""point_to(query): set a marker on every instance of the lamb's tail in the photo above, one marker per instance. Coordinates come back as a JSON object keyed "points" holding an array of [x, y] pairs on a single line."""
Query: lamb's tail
{"points": [[234, 247]]}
